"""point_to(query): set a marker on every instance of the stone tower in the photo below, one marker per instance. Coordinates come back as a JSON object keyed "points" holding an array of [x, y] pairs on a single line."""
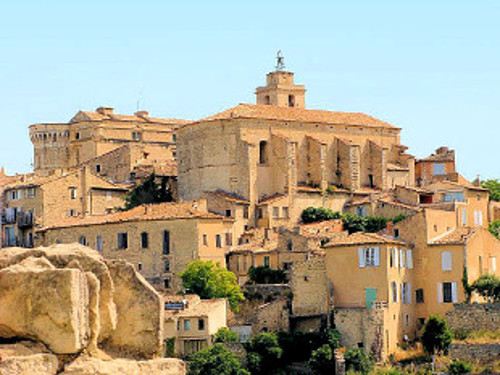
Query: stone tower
{"points": [[281, 91]]}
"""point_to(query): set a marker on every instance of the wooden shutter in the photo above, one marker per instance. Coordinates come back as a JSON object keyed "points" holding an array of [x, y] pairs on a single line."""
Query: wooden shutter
{"points": [[440, 292], [408, 292], [446, 260], [454, 292], [377, 256], [361, 254], [409, 259]]}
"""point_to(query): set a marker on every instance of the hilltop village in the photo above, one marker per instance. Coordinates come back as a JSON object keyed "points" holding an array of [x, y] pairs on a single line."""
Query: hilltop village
{"points": [[241, 184]]}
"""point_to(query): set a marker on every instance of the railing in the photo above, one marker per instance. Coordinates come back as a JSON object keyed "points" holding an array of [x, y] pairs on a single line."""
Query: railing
{"points": [[380, 305], [8, 218], [25, 220]]}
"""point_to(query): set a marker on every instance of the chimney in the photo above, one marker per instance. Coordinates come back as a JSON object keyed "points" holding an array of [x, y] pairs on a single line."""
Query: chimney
{"points": [[144, 114], [105, 111]]}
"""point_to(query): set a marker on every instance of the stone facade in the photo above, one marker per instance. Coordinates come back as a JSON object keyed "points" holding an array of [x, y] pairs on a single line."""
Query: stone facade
{"points": [[475, 352], [473, 317]]}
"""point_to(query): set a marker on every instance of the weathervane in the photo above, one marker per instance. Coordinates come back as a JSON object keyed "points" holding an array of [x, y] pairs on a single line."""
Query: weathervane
{"points": [[280, 61]]}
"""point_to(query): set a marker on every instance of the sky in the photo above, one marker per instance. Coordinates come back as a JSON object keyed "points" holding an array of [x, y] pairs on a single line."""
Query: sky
{"points": [[431, 68]]}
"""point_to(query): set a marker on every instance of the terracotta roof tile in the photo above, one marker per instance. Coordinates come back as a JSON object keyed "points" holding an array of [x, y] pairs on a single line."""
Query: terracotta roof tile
{"points": [[228, 196], [269, 112], [162, 211], [95, 116], [361, 238], [457, 236]]}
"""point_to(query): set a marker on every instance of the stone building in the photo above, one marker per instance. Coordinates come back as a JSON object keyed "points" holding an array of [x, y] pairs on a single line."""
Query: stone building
{"points": [[159, 239], [89, 135], [278, 149], [438, 166], [34, 201], [191, 322]]}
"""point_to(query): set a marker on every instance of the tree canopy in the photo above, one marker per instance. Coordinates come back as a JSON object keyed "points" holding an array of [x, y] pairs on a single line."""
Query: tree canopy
{"points": [[210, 280], [488, 286], [437, 335], [494, 187], [263, 354], [494, 228], [148, 191], [216, 360]]}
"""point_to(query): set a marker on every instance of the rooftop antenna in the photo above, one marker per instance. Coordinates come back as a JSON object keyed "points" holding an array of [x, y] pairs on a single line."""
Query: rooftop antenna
{"points": [[280, 62]]}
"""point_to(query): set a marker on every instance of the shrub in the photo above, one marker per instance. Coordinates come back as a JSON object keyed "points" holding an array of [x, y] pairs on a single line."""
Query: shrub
{"points": [[398, 218], [357, 359], [459, 367], [216, 360], [266, 275], [494, 228], [488, 286], [263, 354], [315, 214], [224, 334], [321, 361], [437, 335]]}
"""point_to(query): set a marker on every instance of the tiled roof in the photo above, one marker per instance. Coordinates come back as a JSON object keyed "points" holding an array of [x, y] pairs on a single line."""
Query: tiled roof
{"points": [[321, 229], [161, 211], [269, 112], [231, 197], [145, 167], [457, 236], [399, 204], [361, 238], [415, 189], [95, 116], [396, 167], [195, 307], [272, 198]]}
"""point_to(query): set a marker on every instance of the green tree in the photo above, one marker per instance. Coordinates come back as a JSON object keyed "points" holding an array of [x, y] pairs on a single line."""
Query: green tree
{"points": [[315, 214], [354, 223], [437, 335], [494, 228], [216, 360], [321, 361], [266, 275], [459, 367], [488, 286], [263, 354], [148, 191], [224, 334], [494, 187], [210, 280], [356, 359]]}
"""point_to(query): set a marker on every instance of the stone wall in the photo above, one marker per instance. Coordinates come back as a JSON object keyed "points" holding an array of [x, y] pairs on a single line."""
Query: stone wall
{"points": [[475, 352], [473, 317]]}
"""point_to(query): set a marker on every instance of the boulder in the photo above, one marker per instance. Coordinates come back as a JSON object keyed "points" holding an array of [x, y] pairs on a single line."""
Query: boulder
{"points": [[42, 303], [94, 366], [139, 306]]}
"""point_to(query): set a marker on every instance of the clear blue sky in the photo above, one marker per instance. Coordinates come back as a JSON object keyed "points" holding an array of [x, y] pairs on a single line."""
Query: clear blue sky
{"points": [[430, 67]]}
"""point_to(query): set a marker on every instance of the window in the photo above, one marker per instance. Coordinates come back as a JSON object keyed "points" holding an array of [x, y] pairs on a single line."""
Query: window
{"points": [[361, 211], [287, 265], [139, 266], [447, 292], [98, 168], [267, 100], [406, 293], [266, 261], [201, 324], [396, 232], [229, 239], [205, 240], [391, 258], [166, 266], [291, 101], [30, 193], [478, 217], [369, 256], [108, 196], [276, 212], [454, 197], [136, 136], [98, 242], [218, 240], [409, 259], [122, 240], [29, 240], [260, 213], [245, 213], [407, 320], [10, 236], [174, 138], [419, 295], [438, 169], [166, 242], [464, 217], [285, 212], [262, 152], [289, 245], [402, 258], [187, 325], [394, 289], [144, 240], [228, 213], [446, 261], [13, 195], [77, 135], [166, 283], [82, 240], [72, 213], [72, 192]]}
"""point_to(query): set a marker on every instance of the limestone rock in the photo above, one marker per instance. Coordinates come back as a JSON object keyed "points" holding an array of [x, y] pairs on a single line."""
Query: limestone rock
{"points": [[93, 366], [44, 304], [140, 324], [39, 364]]}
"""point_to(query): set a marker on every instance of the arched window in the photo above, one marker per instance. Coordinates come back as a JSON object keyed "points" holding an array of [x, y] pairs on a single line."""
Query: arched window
{"points": [[291, 101], [267, 100], [263, 152]]}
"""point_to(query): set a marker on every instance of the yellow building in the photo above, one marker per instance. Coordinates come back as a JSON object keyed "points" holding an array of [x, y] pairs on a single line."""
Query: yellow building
{"points": [[159, 239], [34, 201], [88, 135], [191, 322], [278, 149]]}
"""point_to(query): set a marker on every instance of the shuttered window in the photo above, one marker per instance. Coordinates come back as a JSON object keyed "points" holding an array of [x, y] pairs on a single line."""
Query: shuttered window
{"points": [[446, 261]]}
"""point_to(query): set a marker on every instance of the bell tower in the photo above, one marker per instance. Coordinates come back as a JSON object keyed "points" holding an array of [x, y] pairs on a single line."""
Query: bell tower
{"points": [[280, 89]]}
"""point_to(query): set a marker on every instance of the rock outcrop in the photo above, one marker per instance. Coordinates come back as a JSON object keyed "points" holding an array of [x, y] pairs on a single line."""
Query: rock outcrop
{"points": [[81, 308]]}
